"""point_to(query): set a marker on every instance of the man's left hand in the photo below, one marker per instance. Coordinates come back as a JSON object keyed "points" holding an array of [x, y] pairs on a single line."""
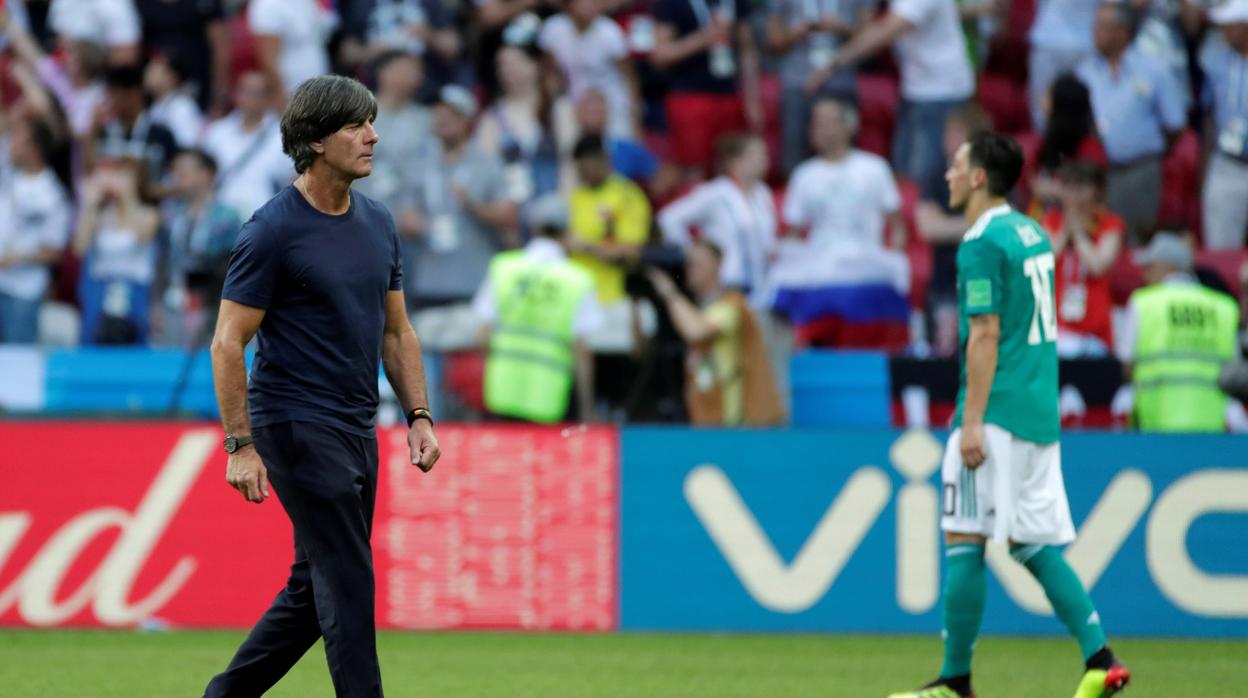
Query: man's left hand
{"points": [[424, 445]]}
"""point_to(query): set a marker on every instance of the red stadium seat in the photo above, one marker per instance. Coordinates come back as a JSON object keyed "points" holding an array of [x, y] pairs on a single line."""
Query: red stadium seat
{"points": [[1005, 100], [1180, 193], [918, 250], [1226, 263], [877, 104]]}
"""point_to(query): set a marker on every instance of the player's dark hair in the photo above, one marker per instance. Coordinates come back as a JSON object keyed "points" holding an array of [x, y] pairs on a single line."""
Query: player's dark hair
{"points": [[1000, 157], [320, 107], [202, 158], [589, 146]]}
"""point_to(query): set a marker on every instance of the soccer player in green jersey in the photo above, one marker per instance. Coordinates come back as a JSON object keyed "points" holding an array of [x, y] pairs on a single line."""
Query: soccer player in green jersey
{"points": [[1002, 472]]}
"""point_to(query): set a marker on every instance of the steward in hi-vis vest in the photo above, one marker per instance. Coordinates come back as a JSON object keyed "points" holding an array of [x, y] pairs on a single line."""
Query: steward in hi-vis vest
{"points": [[539, 306], [1182, 334]]}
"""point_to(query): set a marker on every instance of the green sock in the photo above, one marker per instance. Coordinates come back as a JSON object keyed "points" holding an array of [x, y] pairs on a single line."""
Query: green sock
{"points": [[965, 593], [1070, 600]]}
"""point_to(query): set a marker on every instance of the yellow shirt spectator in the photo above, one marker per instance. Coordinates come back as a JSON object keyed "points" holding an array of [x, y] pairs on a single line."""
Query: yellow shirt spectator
{"points": [[613, 215]]}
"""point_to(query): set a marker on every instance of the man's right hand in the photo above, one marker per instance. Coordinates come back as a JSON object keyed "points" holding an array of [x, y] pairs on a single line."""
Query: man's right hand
{"points": [[246, 473]]}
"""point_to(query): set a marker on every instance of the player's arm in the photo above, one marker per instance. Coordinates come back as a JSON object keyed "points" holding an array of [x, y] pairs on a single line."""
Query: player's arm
{"points": [[401, 359], [236, 325], [981, 366]]}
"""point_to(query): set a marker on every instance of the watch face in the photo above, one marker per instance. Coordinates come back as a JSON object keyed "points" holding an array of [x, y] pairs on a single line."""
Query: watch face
{"points": [[231, 444]]}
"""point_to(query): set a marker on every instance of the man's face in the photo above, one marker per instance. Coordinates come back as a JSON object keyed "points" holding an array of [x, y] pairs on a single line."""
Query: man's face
{"points": [[593, 170], [349, 150], [960, 177], [401, 77], [448, 124], [591, 113], [190, 178], [1108, 34], [125, 102], [252, 94], [828, 129]]}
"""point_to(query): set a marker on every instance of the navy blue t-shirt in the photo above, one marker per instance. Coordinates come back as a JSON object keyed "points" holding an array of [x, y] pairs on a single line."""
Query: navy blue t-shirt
{"points": [[322, 281]]}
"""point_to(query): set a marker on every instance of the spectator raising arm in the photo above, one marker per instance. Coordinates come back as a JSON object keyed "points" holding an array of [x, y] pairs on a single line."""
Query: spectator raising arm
{"points": [[875, 37]]}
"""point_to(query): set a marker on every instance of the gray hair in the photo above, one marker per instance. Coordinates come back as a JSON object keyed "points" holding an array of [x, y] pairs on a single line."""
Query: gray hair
{"points": [[320, 107]]}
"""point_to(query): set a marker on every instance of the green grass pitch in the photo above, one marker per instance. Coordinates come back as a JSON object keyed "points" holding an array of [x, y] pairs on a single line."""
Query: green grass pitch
{"points": [[87, 664]]}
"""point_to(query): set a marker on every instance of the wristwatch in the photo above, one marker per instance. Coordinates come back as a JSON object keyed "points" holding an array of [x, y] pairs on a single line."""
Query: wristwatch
{"points": [[233, 443]]}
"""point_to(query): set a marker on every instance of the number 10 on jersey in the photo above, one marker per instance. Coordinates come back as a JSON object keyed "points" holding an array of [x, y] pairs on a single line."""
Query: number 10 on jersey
{"points": [[1039, 269]]}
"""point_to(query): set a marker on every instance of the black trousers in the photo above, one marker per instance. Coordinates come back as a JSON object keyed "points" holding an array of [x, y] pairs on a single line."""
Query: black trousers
{"points": [[327, 482]]}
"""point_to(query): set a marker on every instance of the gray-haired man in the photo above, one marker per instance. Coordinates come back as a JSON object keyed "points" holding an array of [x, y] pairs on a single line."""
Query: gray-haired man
{"points": [[316, 274]]}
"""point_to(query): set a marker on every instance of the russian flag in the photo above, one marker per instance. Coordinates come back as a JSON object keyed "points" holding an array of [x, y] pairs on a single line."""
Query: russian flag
{"points": [[846, 296]]}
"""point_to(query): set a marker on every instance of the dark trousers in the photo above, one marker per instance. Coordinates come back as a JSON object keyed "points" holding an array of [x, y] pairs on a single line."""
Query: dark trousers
{"points": [[327, 482]]}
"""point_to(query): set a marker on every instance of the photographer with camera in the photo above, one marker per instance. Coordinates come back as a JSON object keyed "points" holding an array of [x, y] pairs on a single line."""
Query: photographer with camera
{"points": [[728, 380]]}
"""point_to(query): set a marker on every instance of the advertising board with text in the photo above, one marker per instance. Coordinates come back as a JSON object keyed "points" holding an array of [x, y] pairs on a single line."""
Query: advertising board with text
{"points": [[117, 524], [838, 531]]}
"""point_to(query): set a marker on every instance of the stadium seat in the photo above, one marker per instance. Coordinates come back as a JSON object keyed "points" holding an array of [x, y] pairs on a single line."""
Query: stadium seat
{"points": [[918, 250], [840, 389], [129, 380], [1180, 191], [1005, 100], [1227, 264], [877, 104]]}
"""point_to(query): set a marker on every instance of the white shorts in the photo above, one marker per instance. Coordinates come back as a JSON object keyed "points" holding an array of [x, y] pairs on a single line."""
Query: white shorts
{"points": [[1017, 494]]}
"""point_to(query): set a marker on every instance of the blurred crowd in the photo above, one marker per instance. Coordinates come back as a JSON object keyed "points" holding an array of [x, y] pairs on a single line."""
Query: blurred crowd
{"points": [[794, 148]]}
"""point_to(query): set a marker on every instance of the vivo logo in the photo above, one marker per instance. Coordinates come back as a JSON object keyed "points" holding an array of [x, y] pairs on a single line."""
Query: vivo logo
{"points": [[37, 588], [798, 585]]}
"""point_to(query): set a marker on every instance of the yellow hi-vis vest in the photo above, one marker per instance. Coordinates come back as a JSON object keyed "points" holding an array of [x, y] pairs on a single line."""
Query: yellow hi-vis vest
{"points": [[1186, 334], [529, 371]]}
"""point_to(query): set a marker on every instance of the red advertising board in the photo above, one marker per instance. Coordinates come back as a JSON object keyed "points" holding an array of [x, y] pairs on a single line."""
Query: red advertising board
{"points": [[121, 524]]}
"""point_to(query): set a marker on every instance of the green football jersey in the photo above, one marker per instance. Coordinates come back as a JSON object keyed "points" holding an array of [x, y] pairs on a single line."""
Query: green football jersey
{"points": [[1005, 267]]}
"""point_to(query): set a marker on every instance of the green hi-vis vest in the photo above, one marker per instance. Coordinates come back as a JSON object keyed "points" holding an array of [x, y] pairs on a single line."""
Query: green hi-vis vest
{"points": [[1186, 334], [528, 374]]}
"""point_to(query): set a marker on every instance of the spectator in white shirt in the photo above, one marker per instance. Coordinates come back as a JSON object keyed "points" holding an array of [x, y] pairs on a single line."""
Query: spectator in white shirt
{"points": [[936, 79], [291, 40], [247, 145], [736, 211], [34, 227], [837, 208], [111, 23], [592, 52], [173, 106]]}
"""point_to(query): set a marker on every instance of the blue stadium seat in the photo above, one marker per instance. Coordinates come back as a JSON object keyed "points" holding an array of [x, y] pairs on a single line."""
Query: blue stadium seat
{"points": [[840, 389], [96, 379]]}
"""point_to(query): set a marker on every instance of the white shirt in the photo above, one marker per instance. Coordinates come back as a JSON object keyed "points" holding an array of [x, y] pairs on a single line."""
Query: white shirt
{"points": [[304, 27], [180, 114], [589, 316], [117, 254], [251, 166], [589, 61], [932, 57], [742, 225], [34, 214], [845, 205], [106, 22]]}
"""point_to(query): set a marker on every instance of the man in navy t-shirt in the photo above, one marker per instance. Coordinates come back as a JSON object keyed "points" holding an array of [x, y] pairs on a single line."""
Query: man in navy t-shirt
{"points": [[316, 277]]}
